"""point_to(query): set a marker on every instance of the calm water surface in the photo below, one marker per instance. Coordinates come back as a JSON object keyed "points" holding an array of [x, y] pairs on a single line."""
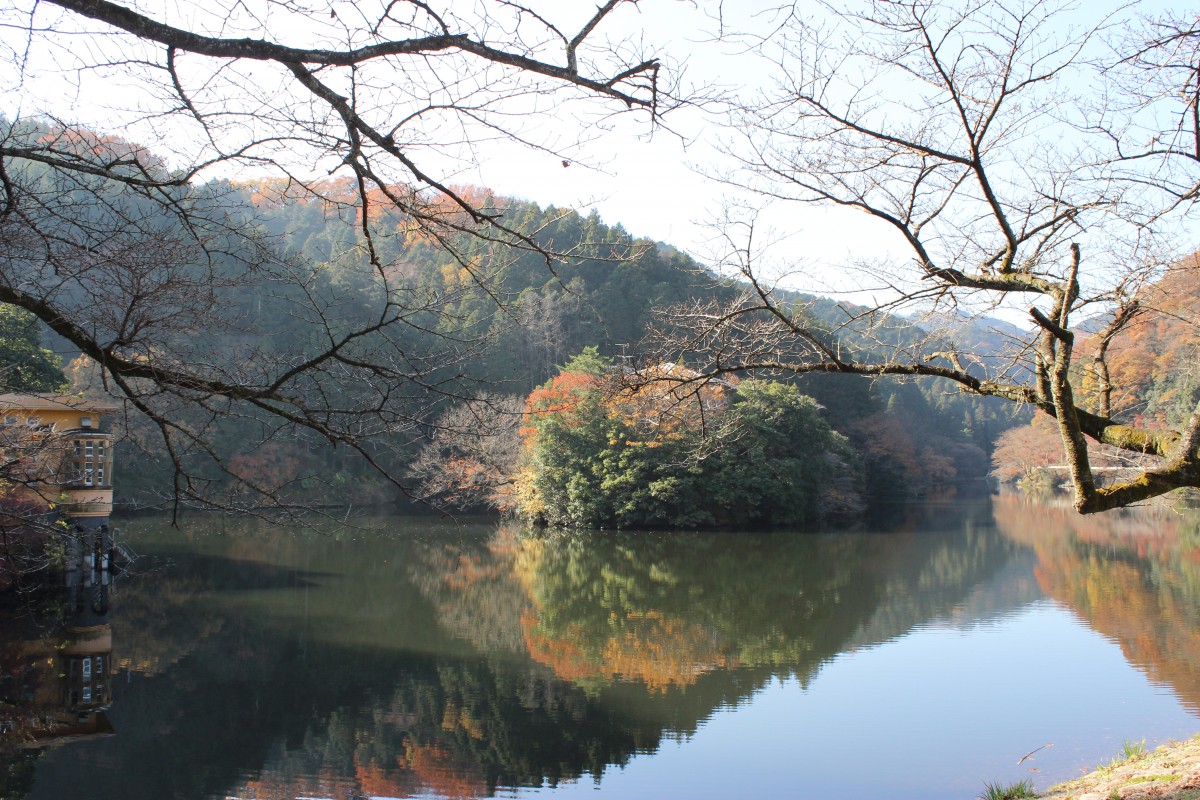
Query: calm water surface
{"points": [[425, 659]]}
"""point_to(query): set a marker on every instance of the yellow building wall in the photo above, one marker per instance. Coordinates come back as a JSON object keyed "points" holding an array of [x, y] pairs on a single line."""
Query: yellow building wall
{"points": [[85, 492]]}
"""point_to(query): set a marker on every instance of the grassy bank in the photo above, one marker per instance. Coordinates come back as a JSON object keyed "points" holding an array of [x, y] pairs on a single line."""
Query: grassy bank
{"points": [[1172, 772]]}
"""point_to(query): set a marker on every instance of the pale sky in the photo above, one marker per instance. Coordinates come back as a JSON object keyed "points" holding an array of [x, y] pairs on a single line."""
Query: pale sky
{"points": [[656, 182], [648, 180], [643, 177]]}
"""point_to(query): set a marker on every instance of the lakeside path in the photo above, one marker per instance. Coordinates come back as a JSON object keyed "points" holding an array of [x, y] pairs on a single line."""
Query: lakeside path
{"points": [[1172, 772]]}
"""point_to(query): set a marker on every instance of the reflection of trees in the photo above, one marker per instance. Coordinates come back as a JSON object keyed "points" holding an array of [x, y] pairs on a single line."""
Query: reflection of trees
{"points": [[457, 729], [662, 610], [945, 562], [289, 665], [665, 610], [426, 659], [1134, 575], [476, 590]]}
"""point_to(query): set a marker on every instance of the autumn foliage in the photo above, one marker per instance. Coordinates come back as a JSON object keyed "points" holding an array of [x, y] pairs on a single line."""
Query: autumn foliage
{"points": [[661, 448], [564, 396], [1034, 452], [1152, 362], [1133, 578], [648, 648]]}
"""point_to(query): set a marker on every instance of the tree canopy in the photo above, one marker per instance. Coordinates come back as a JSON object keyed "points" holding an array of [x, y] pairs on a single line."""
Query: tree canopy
{"points": [[1021, 158], [25, 364], [754, 455]]}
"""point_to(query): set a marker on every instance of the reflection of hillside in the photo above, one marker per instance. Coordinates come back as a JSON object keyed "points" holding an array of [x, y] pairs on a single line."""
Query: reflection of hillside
{"points": [[308, 663], [663, 611], [1134, 575], [952, 569], [433, 660], [476, 591], [644, 647], [651, 609]]}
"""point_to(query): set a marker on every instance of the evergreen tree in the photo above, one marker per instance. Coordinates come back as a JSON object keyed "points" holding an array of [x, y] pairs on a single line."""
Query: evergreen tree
{"points": [[764, 457], [25, 365]]}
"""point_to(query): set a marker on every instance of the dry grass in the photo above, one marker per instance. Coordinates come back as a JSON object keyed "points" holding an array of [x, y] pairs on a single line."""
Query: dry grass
{"points": [[1172, 772]]}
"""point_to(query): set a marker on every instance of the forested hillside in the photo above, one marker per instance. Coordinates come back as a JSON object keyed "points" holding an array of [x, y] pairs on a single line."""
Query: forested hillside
{"points": [[527, 314], [1153, 364], [492, 317], [1152, 377]]}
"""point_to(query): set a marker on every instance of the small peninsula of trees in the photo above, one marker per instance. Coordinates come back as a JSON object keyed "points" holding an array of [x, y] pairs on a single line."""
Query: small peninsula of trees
{"points": [[598, 451]]}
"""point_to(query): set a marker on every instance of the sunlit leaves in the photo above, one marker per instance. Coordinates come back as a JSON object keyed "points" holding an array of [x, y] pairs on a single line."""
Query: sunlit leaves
{"points": [[660, 451]]}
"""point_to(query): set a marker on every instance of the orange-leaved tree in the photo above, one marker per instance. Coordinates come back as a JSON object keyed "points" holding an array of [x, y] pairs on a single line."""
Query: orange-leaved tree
{"points": [[658, 447]]}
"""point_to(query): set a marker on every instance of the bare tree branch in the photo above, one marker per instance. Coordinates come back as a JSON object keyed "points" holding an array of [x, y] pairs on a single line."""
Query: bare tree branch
{"points": [[963, 126], [166, 282]]}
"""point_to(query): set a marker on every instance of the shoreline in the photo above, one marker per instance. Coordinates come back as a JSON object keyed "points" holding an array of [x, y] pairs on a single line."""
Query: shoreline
{"points": [[1170, 772]]}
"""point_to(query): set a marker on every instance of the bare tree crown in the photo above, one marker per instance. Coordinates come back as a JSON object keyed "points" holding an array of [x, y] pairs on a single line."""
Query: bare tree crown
{"points": [[1006, 145]]}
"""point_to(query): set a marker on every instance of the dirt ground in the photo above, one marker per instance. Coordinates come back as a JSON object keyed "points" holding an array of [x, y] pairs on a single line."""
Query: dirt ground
{"points": [[1172, 772]]}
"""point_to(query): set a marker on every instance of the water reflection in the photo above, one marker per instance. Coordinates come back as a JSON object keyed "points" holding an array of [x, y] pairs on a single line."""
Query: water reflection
{"points": [[427, 659], [55, 664], [662, 611], [1134, 575]]}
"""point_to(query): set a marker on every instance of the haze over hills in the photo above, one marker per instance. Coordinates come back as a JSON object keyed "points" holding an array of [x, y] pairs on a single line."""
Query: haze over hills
{"points": [[500, 319]]}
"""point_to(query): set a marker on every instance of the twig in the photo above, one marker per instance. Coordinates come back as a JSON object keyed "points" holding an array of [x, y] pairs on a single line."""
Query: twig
{"points": [[1031, 752]]}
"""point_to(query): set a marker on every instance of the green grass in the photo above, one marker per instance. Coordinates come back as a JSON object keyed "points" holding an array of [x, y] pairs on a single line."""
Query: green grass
{"points": [[1130, 751], [1151, 778], [1012, 791]]}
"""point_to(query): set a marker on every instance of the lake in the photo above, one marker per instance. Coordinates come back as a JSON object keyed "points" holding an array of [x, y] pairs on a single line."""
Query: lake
{"points": [[989, 639]]}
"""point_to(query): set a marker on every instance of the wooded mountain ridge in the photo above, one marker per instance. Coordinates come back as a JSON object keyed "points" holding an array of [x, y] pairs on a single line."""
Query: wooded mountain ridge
{"points": [[506, 318], [502, 319]]}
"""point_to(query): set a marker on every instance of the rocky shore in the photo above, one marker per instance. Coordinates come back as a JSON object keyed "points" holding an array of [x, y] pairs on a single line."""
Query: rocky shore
{"points": [[1172, 772]]}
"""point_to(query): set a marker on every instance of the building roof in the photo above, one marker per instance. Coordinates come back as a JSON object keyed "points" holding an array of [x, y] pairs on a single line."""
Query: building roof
{"points": [[16, 401]]}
